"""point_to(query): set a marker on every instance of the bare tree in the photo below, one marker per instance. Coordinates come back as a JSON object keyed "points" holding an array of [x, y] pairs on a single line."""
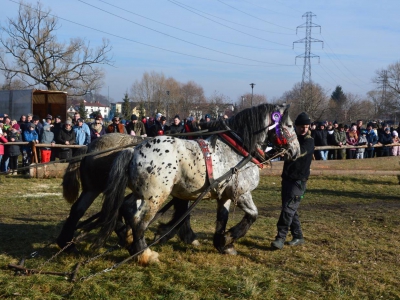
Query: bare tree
{"points": [[391, 75], [173, 97], [30, 52], [384, 106], [245, 100], [192, 99], [151, 91], [217, 104], [316, 104], [15, 84]]}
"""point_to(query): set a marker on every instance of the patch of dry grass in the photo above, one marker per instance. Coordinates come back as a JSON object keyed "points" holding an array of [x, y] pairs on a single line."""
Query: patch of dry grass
{"points": [[351, 226]]}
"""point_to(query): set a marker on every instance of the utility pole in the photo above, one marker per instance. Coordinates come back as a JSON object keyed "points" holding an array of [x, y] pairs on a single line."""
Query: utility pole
{"points": [[384, 80], [306, 81], [167, 106], [252, 86]]}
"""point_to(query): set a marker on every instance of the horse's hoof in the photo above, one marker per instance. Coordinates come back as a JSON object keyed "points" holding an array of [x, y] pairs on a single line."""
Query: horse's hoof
{"points": [[196, 243], [230, 251], [156, 237], [148, 257], [72, 250]]}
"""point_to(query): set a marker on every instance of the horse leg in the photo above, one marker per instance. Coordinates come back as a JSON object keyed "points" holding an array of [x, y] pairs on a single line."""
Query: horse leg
{"points": [[222, 220], [77, 211], [123, 230], [245, 202], [137, 217], [183, 229]]}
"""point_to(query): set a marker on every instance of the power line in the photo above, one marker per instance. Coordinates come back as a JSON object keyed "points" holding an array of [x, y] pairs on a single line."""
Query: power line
{"points": [[273, 11], [340, 69], [177, 28], [254, 16], [342, 62], [218, 17], [289, 6], [219, 23], [179, 39], [144, 44]]}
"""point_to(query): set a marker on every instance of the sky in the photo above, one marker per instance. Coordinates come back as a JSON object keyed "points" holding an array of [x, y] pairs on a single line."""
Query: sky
{"points": [[224, 45]]}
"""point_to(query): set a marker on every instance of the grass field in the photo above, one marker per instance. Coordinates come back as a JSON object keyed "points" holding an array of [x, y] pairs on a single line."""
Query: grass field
{"points": [[351, 225]]}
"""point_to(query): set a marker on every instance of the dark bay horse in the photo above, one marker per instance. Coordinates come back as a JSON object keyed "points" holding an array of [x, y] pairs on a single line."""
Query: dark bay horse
{"points": [[165, 166], [91, 174]]}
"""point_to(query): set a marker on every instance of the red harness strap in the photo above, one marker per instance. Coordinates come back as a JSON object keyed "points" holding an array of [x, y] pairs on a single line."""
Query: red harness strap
{"points": [[234, 144], [207, 157]]}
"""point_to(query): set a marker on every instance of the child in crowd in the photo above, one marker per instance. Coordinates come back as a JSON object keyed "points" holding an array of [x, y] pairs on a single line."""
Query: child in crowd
{"points": [[396, 140], [47, 137], [29, 135], [361, 141], [3, 140], [14, 150]]}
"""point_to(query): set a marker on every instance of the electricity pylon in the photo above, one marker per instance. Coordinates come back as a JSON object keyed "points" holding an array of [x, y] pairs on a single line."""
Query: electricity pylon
{"points": [[306, 83]]}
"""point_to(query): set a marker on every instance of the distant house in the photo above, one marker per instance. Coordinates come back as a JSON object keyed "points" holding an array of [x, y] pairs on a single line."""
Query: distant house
{"points": [[91, 107], [116, 108], [71, 111]]}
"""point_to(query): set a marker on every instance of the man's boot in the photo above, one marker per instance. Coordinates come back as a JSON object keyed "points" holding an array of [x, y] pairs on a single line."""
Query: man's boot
{"points": [[278, 244], [296, 242]]}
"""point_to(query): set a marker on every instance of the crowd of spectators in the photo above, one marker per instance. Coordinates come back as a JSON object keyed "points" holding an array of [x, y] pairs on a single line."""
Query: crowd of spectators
{"points": [[76, 131], [334, 134]]}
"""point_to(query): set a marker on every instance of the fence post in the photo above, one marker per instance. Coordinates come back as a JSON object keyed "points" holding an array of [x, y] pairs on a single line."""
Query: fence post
{"points": [[35, 157]]}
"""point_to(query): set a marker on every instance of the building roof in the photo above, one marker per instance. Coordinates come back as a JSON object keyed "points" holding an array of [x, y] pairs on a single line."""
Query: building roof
{"points": [[95, 104]]}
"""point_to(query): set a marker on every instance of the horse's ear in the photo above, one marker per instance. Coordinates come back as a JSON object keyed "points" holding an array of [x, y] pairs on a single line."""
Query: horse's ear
{"points": [[287, 106]]}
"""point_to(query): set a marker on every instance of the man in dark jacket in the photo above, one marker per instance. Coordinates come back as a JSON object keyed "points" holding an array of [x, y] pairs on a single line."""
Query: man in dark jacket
{"points": [[57, 127], [320, 136], [294, 178], [160, 127], [385, 138], [177, 126], [136, 127], [66, 136]]}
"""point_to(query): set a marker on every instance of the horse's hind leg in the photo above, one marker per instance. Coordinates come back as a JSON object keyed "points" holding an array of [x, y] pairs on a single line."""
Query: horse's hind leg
{"points": [[77, 211], [183, 229], [245, 202], [134, 214]]}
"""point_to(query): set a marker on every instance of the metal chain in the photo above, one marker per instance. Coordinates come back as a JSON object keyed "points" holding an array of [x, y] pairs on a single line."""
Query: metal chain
{"points": [[73, 241]]}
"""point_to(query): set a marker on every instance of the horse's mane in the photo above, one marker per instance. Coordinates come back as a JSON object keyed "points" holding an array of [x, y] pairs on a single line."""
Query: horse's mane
{"points": [[248, 124]]}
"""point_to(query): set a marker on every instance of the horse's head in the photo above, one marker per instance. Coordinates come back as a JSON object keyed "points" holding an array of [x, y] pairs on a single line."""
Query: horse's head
{"points": [[281, 132], [266, 123]]}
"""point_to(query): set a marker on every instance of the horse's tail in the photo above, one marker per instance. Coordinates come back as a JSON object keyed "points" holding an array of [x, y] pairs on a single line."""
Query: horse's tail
{"points": [[71, 178], [113, 197]]}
